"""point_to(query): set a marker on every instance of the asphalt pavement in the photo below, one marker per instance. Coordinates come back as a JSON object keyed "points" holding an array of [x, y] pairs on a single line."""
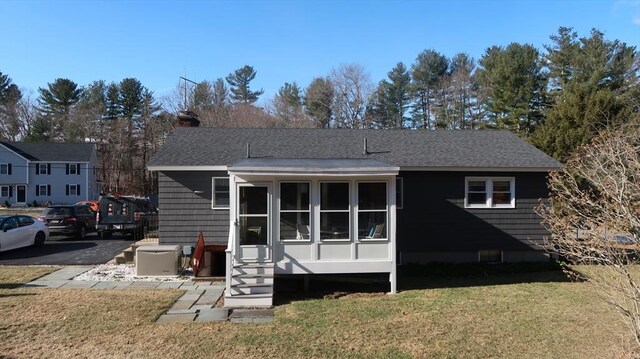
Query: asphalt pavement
{"points": [[68, 251]]}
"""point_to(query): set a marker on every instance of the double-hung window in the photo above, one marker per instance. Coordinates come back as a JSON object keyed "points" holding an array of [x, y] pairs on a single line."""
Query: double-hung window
{"points": [[490, 192], [372, 210], [334, 211], [220, 193], [43, 168], [4, 191], [295, 211], [72, 169], [73, 190], [43, 190], [5, 168]]}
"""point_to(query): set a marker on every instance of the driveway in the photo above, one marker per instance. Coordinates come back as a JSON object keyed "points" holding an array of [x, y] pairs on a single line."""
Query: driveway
{"points": [[68, 251]]}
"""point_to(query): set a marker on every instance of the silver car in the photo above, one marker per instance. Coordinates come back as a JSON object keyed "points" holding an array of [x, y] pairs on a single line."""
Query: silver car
{"points": [[18, 231]]}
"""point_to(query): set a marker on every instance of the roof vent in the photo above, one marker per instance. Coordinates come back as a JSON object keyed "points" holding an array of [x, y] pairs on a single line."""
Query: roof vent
{"points": [[248, 150], [365, 150]]}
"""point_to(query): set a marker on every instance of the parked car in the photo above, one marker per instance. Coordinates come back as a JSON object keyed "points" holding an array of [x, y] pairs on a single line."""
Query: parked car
{"points": [[73, 220], [18, 231], [95, 205], [126, 214]]}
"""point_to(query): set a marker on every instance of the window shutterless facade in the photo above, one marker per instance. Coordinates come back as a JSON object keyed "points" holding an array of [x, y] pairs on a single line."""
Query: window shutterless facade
{"points": [[335, 210], [295, 211], [4, 191], [489, 192], [220, 193]]}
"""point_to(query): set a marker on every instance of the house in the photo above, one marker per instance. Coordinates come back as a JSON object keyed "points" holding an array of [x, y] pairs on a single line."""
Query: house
{"points": [[61, 173], [296, 201]]}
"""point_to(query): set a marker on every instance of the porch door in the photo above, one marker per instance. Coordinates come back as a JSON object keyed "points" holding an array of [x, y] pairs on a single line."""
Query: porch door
{"points": [[21, 194], [254, 222]]}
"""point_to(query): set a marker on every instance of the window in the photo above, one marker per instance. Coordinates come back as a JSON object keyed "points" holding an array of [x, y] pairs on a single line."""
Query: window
{"points": [[372, 210], [498, 192], [72, 169], [43, 168], [43, 190], [5, 168], [220, 192], [334, 211], [4, 191], [295, 209], [73, 190], [399, 193]]}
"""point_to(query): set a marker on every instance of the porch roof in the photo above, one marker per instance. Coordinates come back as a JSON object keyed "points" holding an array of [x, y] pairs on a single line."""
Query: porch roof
{"points": [[312, 166]]}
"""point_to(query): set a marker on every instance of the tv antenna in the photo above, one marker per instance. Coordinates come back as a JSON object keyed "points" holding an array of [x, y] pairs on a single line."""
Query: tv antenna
{"points": [[185, 90]]}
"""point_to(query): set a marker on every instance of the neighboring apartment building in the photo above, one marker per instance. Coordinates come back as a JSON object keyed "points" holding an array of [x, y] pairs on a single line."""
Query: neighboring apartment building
{"points": [[61, 173]]}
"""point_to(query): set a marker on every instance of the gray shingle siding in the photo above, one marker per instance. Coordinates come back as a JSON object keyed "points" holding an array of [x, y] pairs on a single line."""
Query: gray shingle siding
{"points": [[434, 219], [184, 214]]}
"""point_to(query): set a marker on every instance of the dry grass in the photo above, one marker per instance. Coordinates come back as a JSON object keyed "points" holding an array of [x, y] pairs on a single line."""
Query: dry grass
{"points": [[12, 276], [34, 212], [530, 320]]}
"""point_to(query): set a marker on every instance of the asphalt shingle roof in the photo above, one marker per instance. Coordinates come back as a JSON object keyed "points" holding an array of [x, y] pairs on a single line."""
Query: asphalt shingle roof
{"points": [[203, 146], [51, 151]]}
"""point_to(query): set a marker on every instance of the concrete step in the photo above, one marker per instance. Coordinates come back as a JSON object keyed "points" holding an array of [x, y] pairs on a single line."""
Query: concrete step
{"points": [[249, 301], [129, 254], [120, 259]]}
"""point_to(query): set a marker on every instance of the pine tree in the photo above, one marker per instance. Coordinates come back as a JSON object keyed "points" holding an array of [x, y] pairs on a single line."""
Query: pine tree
{"points": [[10, 97], [428, 70], [239, 81], [56, 105], [318, 100], [514, 86], [595, 86]]}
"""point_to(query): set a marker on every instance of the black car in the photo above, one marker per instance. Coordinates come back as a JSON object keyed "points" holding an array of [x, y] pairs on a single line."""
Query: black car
{"points": [[126, 214], [72, 220]]}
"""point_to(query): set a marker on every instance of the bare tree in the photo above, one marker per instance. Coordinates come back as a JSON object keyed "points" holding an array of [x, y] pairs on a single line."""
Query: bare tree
{"points": [[594, 217], [352, 88]]}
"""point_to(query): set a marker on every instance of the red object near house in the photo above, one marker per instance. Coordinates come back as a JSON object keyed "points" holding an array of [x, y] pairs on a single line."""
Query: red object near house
{"points": [[198, 255]]}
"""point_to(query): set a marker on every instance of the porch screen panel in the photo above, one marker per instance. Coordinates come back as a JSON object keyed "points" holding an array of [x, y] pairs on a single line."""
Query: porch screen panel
{"points": [[372, 210], [253, 215], [295, 209], [334, 211]]}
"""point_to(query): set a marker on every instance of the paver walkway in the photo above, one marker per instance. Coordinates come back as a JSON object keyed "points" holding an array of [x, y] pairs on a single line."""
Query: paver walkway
{"points": [[197, 304]]}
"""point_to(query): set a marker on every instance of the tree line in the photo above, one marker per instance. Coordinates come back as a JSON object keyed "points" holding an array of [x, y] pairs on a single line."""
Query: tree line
{"points": [[557, 98]]}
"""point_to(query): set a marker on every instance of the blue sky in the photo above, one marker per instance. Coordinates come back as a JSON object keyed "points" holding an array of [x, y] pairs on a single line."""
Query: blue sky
{"points": [[285, 41]]}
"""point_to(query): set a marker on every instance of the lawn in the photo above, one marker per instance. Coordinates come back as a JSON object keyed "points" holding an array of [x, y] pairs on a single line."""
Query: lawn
{"points": [[526, 315]]}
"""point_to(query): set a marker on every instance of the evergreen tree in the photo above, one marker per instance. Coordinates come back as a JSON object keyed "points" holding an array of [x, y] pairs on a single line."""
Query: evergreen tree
{"points": [[595, 86], [56, 105], [398, 94], [288, 103], [428, 70], [318, 100], [514, 87], [462, 92], [10, 97], [239, 81]]}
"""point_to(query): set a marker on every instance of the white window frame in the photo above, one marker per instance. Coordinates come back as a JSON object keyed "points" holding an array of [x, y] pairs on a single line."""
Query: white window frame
{"points": [[280, 211], [73, 169], [358, 211], [349, 211], [39, 190], [2, 191], [213, 194], [39, 169], [489, 192], [75, 191]]}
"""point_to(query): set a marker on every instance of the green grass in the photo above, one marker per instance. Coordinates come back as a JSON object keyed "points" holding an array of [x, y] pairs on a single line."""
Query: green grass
{"points": [[466, 315]]}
